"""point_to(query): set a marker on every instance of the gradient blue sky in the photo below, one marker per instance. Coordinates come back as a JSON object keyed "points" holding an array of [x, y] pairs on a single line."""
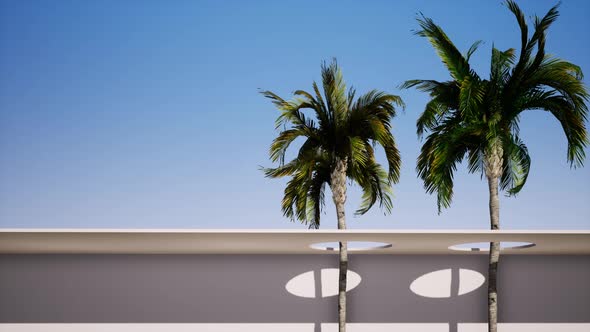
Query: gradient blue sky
{"points": [[146, 114]]}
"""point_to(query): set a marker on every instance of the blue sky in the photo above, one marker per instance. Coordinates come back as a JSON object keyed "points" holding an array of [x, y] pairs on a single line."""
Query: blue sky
{"points": [[146, 114]]}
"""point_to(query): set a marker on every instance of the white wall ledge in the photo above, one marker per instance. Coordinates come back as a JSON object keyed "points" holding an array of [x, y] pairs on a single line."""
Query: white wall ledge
{"points": [[267, 241]]}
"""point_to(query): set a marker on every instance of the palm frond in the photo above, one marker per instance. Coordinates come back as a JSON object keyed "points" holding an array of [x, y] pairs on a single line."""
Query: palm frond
{"points": [[517, 165], [439, 156], [471, 95], [281, 171], [538, 38], [315, 196], [291, 111], [317, 105], [501, 63], [472, 50], [475, 159], [335, 91], [468, 114], [358, 151], [526, 65], [524, 29], [429, 119], [373, 180], [573, 125], [562, 76], [446, 50], [344, 128], [445, 97], [281, 143], [294, 204]]}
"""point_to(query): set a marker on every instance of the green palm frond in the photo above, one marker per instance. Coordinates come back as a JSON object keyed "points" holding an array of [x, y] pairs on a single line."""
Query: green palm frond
{"points": [[465, 116], [517, 164], [445, 98], [475, 159], [557, 86], [279, 146], [335, 91], [562, 76], [538, 38], [471, 95], [572, 123], [501, 64], [291, 111], [453, 59], [393, 157], [315, 103], [294, 203], [370, 120], [281, 171], [344, 128], [439, 156], [374, 182], [315, 196], [524, 30], [350, 97], [472, 50], [375, 103], [434, 111], [325, 114], [358, 151], [527, 64]]}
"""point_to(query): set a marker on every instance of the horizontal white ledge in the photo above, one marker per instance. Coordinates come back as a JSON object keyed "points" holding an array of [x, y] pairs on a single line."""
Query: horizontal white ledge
{"points": [[251, 241], [290, 231]]}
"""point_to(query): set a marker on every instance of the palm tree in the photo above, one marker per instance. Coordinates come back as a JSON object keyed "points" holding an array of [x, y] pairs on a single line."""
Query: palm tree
{"points": [[338, 144], [478, 119]]}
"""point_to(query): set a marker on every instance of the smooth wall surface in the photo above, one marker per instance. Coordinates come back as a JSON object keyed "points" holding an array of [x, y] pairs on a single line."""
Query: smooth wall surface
{"points": [[248, 292], [293, 327]]}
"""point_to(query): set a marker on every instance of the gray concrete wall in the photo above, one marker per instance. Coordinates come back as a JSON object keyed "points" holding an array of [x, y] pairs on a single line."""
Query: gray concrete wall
{"points": [[249, 289]]}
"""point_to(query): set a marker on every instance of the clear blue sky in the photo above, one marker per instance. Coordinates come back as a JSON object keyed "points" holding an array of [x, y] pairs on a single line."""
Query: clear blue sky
{"points": [[145, 114]]}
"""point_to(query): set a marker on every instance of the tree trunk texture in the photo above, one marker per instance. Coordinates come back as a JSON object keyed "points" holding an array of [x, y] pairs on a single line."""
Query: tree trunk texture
{"points": [[338, 186], [493, 169]]}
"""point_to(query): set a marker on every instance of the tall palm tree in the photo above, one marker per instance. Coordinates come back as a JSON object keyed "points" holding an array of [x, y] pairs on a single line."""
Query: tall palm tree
{"points": [[338, 144], [478, 119]]}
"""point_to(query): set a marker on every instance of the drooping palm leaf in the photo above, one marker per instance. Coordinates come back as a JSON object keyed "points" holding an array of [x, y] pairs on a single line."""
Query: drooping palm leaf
{"points": [[468, 115], [344, 127]]}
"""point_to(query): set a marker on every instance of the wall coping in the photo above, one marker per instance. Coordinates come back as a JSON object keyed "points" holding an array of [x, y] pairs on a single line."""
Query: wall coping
{"points": [[269, 241]]}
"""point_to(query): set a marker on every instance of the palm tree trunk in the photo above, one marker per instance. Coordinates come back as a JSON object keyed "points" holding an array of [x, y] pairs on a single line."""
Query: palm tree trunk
{"points": [[338, 186], [494, 257], [493, 168]]}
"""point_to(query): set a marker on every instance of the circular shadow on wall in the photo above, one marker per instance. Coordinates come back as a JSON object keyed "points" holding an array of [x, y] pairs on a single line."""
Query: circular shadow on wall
{"points": [[320, 283], [485, 246], [438, 284], [352, 246]]}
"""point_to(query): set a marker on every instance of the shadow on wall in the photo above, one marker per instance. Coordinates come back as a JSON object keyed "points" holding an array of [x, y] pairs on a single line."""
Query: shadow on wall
{"points": [[253, 289], [320, 283], [437, 284]]}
